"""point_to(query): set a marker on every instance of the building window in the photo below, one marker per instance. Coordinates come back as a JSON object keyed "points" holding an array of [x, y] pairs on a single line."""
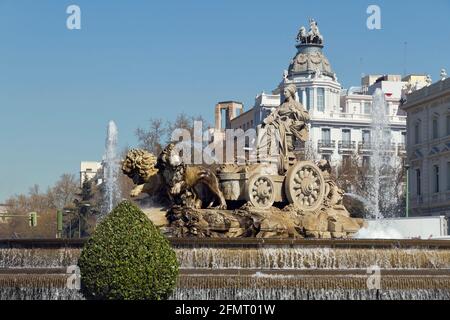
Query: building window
{"points": [[448, 124], [346, 136], [326, 157], [366, 162], [326, 135], [366, 136], [417, 132], [418, 182], [435, 128], [300, 95], [309, 98], [436, 178], [404, 138], [387, 136], [321, 99], [367, 108]]}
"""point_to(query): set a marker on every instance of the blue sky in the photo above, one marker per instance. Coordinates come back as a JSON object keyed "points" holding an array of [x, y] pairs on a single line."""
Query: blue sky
{"points": [[134, 60]]}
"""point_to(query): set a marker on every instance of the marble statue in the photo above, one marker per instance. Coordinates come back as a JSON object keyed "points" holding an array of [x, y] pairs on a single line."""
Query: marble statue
{"points": [[139, 166], [285, 75], [443, 74], [302, 35], [314, 33], [168, 176], [288, 198], [288, 121], [317, 74], [312, 36], [333, 194]]}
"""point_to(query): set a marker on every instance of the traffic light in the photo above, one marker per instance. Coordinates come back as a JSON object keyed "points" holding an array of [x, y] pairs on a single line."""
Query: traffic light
{"points": [[33, 219]]}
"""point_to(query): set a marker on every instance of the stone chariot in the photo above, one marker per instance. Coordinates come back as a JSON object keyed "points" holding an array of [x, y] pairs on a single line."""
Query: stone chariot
{"points": [[303, 185]]}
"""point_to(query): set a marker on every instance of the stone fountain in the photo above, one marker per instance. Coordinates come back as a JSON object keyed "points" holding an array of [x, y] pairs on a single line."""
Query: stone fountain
{"points": [[252, 269], [275, 228], [280, 195]]}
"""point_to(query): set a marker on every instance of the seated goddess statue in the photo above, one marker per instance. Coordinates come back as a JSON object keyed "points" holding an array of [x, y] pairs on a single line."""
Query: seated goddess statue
{"points": [[279, 130]]}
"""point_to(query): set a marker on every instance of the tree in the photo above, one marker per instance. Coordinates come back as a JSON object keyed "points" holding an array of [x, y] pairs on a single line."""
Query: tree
{"points": [[159, 134], [152, 138], [19, 208], [64, 192], [87, 193], [61, 195], [182, 121], [356, 177], [127, 258]]}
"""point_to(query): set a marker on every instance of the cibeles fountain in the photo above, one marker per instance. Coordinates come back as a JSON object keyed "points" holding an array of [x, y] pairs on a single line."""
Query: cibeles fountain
{"points": [[279, 195], [272, 225], [275, 193], [268, 224]]}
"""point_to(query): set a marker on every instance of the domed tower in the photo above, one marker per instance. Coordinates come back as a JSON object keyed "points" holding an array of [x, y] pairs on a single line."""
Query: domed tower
{"points": [[309, 58], [310, 70]]}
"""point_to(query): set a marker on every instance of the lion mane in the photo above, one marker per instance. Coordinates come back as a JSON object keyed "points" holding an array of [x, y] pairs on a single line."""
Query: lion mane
{"points": [[140, 162]]}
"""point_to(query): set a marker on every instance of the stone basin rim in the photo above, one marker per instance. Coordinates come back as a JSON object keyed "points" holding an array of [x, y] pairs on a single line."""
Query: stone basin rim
{"points": [[244, 242]]}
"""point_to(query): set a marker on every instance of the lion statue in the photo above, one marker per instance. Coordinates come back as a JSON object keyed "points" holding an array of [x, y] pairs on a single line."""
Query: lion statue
{"points": [[333, 194], [139, 166], [183, 184]]}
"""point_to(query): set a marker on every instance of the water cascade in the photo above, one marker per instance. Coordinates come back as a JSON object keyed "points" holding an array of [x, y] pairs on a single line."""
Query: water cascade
{"points": [[111, 169], [411, 269]]}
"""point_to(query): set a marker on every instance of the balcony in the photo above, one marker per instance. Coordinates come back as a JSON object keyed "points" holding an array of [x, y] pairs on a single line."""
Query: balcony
{"points": [[362, 117], [326, 145], [365, 146], [368, 147], [347, 146]]}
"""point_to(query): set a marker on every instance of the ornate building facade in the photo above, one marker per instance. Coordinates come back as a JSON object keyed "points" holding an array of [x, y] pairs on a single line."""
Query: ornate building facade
{"points": [[340, 123], [428, 148]]}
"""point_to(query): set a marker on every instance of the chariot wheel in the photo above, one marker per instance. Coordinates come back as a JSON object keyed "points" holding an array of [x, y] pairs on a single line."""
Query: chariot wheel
{"points": [[305, 186], [260, 191]]}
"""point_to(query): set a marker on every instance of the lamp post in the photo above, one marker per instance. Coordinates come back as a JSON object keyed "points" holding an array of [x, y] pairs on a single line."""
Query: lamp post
{"points": [[59, 224], [407, 189]]}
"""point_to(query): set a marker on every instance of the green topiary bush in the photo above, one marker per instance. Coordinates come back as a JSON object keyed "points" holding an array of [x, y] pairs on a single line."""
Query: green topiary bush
{"points": [[127, 258]]}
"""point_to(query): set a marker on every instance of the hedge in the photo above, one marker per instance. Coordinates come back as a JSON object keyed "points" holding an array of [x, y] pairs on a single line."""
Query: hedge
{"points": [[127, 258]]}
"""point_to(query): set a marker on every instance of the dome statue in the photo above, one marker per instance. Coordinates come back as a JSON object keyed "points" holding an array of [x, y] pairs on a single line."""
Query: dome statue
{"points": [[309, 59]]}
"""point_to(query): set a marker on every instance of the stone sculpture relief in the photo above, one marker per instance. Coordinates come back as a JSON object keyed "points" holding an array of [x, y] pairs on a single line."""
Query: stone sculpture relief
{"points": [[295, 199], [313, 36]]}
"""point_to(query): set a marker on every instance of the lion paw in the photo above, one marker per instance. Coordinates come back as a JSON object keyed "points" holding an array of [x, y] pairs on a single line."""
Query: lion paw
{"points": [[134, 194], [222, 207]]}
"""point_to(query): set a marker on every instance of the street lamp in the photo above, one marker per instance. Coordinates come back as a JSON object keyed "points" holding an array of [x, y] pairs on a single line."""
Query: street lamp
{"points": [[407, 189]]}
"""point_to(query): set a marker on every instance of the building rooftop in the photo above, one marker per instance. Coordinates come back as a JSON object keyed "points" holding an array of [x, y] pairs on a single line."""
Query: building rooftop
{"points": [[427, 93], [229, 101], [390, 77]]}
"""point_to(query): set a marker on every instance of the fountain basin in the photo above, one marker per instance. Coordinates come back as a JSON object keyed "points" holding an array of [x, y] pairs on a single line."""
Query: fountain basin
{"points": [[252, 269]]}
